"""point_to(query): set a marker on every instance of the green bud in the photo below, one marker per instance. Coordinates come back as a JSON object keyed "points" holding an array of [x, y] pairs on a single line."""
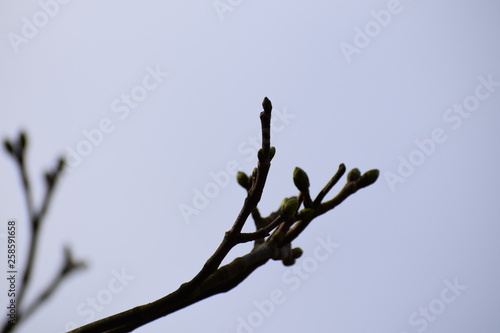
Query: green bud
{"points": [[297, 252], [306, 214], [283, 203], [242, 179], [368, 178], [272, 152], [353, 175], [260, 153], [266, 104], [289, 206], [301, 180]]}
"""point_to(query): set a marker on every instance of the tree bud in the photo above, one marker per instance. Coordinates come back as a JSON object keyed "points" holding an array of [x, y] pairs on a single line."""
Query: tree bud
{"points": [[353, 175], [297, 252], [301, 180], [289, 206], [260, 153], [242, 179], [272, 152], [368, 178], [266, 104]]}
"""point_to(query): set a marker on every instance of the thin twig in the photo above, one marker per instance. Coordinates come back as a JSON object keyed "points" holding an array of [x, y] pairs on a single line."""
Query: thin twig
{"points": [[18, 151], [261, 233], [69, 266], [297, 229], [321, 195], [250, 203], [36, 222]]}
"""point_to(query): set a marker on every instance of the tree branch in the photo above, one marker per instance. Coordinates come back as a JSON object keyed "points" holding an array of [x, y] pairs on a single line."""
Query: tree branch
{"points": [[287, 224], [17, 150]]}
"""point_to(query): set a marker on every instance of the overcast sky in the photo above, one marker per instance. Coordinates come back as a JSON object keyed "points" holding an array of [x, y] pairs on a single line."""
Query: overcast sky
{"points": [[155, 105]]}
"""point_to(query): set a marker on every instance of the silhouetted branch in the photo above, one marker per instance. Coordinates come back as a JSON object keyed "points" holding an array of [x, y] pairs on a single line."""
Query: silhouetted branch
{"points": [[280, 227]]}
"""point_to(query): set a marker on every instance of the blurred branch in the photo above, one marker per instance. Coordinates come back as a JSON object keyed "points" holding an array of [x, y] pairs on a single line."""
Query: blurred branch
{"points": [[17, 150], [280, 227], [70, 265]]}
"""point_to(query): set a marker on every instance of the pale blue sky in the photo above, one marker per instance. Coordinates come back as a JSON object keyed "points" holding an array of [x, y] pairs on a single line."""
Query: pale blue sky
{"points": [[409, 87]]}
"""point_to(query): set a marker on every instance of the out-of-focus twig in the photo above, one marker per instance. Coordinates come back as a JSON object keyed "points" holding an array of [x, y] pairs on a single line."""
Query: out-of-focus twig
{"points": [[17, 150]]}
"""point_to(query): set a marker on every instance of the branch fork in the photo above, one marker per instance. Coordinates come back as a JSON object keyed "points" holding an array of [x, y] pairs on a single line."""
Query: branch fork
{"points": [[272, 237], [17, 150]]}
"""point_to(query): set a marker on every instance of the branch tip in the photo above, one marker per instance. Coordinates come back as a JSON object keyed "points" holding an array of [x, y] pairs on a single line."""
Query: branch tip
{"points": [[301, 180], [368, 178], [267, 105]]}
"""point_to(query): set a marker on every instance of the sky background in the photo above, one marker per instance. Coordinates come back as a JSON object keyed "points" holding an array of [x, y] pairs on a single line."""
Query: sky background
{"points": [[411, 88]]}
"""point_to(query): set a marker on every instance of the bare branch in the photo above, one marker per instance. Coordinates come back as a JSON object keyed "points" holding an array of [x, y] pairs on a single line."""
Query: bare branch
{"points": [[17, 150], [69, 266], [340, 172], [272, 238]]}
